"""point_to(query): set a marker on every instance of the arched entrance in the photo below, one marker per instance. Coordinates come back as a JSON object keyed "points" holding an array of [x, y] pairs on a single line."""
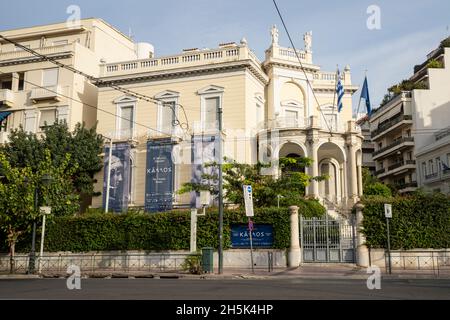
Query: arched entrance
{"points": [[292, 150], [331, 163]]}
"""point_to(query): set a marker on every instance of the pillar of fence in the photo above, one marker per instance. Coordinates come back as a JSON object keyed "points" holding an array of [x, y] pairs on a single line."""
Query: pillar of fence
{"points": [[294, 252], [362, 253]]}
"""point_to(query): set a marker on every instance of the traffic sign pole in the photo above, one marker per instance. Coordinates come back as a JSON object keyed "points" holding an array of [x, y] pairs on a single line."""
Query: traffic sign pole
{"points": [[250, 228], [388, 214]]}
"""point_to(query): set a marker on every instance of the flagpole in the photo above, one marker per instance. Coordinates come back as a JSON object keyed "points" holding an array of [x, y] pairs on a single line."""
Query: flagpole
{"points": [[335, 84]]}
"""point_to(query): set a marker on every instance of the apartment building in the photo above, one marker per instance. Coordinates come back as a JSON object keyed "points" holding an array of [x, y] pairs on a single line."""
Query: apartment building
{"points": [[432, 124], [367, 147], [409, 129], [271, 109], [391, 131], [35, 92]]}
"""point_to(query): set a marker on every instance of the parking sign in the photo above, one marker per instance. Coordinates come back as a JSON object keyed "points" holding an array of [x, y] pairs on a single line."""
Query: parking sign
{"points": [[248, 198]]}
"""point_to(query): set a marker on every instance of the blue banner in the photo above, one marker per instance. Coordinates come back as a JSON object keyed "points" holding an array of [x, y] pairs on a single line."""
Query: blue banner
{"points": [[119, 186], [204, 150], [262, 236], [159, 176]]}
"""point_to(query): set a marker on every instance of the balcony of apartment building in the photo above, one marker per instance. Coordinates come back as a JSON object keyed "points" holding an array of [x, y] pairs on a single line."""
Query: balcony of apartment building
{"points": [[397, 145], [396, 168], [18, 55], [10, 85], [393, 116], [407, 187]]}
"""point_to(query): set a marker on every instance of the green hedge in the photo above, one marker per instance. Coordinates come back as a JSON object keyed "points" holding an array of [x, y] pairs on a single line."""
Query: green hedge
{"points": [[419, 221], [162, 231]]}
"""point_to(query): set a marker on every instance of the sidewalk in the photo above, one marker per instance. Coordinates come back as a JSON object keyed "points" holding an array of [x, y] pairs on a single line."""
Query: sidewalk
{"points": [[306, 271]]}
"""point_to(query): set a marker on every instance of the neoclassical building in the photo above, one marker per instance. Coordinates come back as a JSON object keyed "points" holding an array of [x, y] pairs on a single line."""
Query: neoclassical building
{"points": [[272, 108]]}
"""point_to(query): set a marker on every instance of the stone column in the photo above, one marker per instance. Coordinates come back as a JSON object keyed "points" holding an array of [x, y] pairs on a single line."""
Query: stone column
{"points": [[362, 253], [360, 182], [353, 172], [294, 252], [15, 82], [314, 169]]}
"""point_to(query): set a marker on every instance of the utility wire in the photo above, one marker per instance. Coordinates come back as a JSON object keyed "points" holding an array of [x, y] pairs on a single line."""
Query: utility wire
{"points": [[301, 66], [184, 126], [92, 106]]}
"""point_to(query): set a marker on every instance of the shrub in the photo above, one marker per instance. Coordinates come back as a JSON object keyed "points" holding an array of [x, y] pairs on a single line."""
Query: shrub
{"points": [[96, 231], [419, 221]]}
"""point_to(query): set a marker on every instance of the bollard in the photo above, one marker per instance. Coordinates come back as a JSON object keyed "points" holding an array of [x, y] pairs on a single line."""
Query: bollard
{"points": [[270, 260]]}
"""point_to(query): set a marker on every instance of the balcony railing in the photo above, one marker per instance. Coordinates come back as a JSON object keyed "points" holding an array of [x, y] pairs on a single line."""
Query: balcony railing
{"points": [[51, 50], [394, 144], [407, 185], [404, 95], [6, 97], [186, 59], [431, 175], [442, 133], [381, 171], [390, 123], [401, 164], [285, 122], [46, 93]]}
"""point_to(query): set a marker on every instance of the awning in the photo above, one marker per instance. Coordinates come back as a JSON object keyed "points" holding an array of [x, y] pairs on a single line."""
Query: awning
{"points": [[4, 115]]}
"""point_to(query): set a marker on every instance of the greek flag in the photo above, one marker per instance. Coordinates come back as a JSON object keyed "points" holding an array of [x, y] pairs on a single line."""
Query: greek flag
{"points": [[339, 91]]}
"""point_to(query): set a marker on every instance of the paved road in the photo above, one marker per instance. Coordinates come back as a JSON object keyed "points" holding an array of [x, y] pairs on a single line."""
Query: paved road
{"points": [[184, 289]]}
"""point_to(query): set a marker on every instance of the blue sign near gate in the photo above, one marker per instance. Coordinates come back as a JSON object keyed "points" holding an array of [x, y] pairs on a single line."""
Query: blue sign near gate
{"points": [[159, 176], [262, 236]]}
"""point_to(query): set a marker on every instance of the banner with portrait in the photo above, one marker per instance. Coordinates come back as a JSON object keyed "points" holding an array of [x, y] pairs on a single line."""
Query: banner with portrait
{"points": [[204, 151], [159, 182], [119, 185]]}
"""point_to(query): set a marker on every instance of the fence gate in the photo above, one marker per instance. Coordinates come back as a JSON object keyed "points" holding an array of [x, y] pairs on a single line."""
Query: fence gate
{"points": [[327, 240]]}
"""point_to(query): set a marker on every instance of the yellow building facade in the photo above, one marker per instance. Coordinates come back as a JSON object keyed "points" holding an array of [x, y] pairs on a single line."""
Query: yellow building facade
{"points": [[272, 108]]}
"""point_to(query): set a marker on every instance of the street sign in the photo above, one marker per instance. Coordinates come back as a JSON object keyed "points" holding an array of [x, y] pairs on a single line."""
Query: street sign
{"points": [[248, 198], [388, 210]]}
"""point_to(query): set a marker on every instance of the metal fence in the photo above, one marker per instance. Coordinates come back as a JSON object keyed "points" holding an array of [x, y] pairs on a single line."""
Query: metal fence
{"points": [[436, 262], [152, 262], [327, 240]]}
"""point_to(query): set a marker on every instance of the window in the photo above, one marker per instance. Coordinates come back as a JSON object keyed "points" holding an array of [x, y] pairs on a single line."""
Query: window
{"points": [[50, 77], [126, 120], [431, 166], [409, 156], [7, 84], [167, 111], [424, 169], [291, 118], [210, 112], [30, 121], [47, 118], [211, 101], [408, 133], [438, 164]]}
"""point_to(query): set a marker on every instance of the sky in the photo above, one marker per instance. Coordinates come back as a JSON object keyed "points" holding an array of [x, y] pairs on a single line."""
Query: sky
{"points": [[408, 31]]}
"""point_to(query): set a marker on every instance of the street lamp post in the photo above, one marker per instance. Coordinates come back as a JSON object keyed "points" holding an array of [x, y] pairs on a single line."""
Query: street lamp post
{"points": [[220, 193], [45, 180], [32, 263]]}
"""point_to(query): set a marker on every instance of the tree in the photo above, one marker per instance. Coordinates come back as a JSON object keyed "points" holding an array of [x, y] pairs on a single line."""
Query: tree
{"points": [[85, 146], [372, 186], [266, 189], [17, 195]]}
